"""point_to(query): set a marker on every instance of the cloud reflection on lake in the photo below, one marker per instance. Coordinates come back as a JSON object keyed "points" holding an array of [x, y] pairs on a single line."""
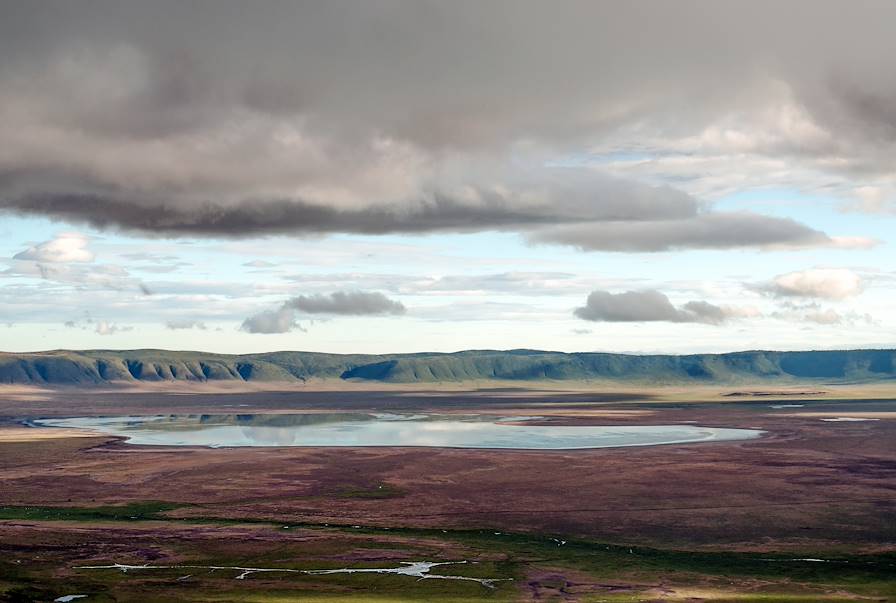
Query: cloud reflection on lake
{"points": [[364, 430]]}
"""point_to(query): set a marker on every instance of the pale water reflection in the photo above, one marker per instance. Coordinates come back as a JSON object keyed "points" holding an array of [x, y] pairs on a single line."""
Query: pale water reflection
{"points": [[362, 430]]}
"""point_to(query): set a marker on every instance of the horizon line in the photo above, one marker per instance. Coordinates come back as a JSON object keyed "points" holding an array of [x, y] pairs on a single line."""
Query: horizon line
{"points": [[460, 351]]}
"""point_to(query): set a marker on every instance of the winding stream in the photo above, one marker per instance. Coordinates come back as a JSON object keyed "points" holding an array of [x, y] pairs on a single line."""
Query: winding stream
{"points": [[416, 569]]}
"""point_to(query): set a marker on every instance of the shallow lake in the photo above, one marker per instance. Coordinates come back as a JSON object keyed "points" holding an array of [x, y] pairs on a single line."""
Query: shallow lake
{"points": [[357, 429]]}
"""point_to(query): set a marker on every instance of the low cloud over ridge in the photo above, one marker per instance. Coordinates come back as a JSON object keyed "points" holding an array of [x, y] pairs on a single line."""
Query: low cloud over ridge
{"points": [[650, 306], [339, 303], [281, 320], [347, 303]]}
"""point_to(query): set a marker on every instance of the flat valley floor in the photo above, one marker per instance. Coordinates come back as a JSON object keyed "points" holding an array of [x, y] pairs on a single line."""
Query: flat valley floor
{"points": [[806, 513]]}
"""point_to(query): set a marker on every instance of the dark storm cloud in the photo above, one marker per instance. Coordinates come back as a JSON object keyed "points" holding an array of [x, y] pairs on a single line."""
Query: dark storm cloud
{"points": [[648, 306], [492, 71], [382, 116], [436, 212]]}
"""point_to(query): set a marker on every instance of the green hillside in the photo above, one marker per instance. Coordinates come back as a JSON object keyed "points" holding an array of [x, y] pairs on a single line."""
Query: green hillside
{"points": [[64, 367]]}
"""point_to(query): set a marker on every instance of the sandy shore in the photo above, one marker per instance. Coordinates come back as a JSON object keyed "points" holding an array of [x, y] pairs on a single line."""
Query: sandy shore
{"points": [[31, 434]]}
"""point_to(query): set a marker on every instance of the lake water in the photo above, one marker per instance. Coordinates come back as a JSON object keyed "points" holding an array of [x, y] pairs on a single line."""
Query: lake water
{"points": [[361, 430]]}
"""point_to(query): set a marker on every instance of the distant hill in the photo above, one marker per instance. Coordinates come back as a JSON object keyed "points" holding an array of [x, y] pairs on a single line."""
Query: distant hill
{"points": [[104, 366]]}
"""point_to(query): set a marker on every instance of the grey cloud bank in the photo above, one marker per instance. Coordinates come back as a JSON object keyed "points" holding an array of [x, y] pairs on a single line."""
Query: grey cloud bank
{"points": [[471, 209], [402, 117], [707, 231]]}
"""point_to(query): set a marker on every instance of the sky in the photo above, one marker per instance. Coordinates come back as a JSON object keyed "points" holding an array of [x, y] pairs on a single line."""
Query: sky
{"points": [[393, 176]]}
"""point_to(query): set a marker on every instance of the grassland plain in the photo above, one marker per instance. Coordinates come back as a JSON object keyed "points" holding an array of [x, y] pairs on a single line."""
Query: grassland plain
{"points": [[806, 513], [44, 558]]}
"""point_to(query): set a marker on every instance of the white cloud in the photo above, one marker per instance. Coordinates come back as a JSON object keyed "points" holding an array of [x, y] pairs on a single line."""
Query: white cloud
{"points": [[185, 324], [259, 264], [778, 143], [814, 313], [102, 276], [818, 283], [108, 328], [824, 317], [66, 247]]}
